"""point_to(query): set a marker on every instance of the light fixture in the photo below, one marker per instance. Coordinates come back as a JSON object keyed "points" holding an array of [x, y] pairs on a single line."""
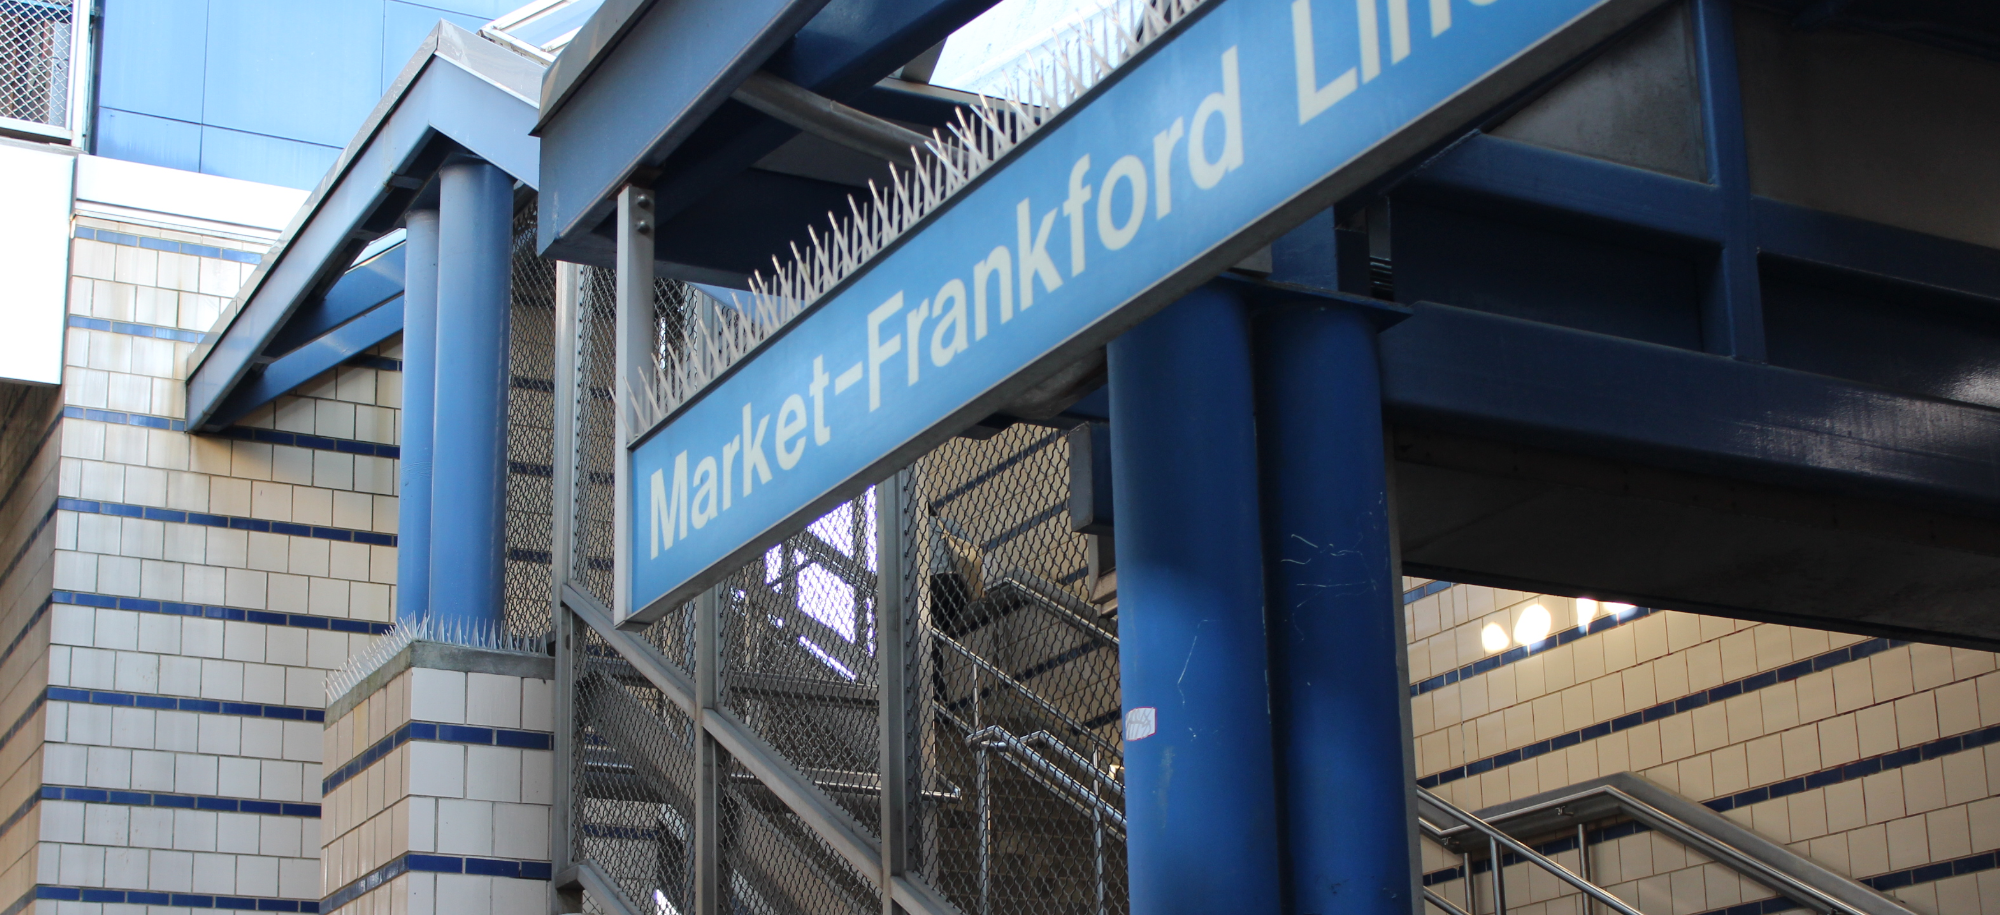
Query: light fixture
{"points": [[1586, 610], [1611, 609], [1493, 637], [1533, 626]]}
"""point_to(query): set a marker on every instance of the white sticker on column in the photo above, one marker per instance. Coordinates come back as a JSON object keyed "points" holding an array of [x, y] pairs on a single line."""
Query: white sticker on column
{"points": [[1140, 723]]}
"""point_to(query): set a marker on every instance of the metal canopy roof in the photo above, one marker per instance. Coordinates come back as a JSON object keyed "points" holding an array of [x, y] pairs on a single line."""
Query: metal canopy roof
{"points": [[733, 185], [459, 94]]}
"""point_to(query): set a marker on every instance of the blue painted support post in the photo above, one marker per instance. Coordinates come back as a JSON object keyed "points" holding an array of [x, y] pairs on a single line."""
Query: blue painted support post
{"points": [[1733, 313], [1339, 684], [469, 485], [413, 518], [1202, 818]]}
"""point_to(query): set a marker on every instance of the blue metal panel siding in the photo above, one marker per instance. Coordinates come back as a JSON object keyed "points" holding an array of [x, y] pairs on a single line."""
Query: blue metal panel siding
{"points": [[303, 69], [144, 138], [404, 27], [266, 159], [153, 59], [483, 10]]}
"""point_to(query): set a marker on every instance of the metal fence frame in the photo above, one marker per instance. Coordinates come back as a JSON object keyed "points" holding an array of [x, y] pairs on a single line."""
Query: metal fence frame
{"points": [[691, 660], [71, 123]]}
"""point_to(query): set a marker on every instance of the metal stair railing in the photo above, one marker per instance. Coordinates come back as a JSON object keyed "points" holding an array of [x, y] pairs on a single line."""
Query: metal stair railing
{"points": [[1777, 868], [1088, 800], [1497, 843]]}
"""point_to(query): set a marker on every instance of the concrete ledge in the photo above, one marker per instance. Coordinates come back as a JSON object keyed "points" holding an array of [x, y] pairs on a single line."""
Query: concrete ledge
{"points": [[440, 656]]}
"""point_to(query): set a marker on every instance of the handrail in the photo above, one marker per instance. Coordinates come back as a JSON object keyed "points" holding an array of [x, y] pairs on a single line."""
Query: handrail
{"points": [[1022, 688], [1058, 603], [1501, 840], [1442, 903], [1623, 793], [1081, 796], [1050, 741]]}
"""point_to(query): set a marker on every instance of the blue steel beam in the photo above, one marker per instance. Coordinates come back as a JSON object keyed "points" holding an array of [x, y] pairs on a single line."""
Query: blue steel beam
{"points": [[1574, 185], [1858, 246], [1338, 690], [458, 91], [598, 140], [366, 285], [1733, 315], [420, 335], [1193, 660], [1569, 390], [302, 364], [469, 444], [1541, 183], [597, 134]]}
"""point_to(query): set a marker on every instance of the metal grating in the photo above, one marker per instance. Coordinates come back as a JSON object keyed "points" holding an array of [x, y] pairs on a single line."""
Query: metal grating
{"points": [[1015, 714], [634, 784], [798, 654], [1012, 682], [530, 432], [773, 864], [594, 538], [35, 41]]}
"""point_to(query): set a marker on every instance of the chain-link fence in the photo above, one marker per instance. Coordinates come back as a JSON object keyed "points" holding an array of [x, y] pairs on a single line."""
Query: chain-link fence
{"points": [[633, 778], [798, 655], [35, 41], [1015, 714], [530, 432], [594, 538], [1011, 677]]}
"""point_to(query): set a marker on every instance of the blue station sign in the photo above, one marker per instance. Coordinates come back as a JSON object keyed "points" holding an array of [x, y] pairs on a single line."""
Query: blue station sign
{"points": [[1243, 120]]}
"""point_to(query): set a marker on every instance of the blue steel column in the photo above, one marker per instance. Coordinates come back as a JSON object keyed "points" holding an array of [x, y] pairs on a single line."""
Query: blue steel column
{"points": [[1733, 313], [469, 486], [413, 518], [1202, 834], [1338, 683]]}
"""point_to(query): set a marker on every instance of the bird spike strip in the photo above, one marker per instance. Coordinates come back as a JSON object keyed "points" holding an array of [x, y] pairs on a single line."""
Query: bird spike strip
{"points": [[1031, 93], [469, 634]]}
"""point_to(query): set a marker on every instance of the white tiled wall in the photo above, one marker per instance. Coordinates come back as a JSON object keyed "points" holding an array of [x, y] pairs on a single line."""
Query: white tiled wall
{"points": [[29, 459], [439, 797], [1936, 810], [128, 748]]}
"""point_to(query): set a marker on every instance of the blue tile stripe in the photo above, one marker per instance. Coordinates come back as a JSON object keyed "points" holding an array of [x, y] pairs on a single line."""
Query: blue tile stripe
{"points": [[174, 247], [308, 440], [415, 862], [1422, 591], [179, 801], [1789, 672], [233, 522], [1882, 883], [440, 733], [1555, 847], [182, 704], [233, 614], [182, 900], [131, 329], [1860, 769], [1523, 652], [125, 419]]}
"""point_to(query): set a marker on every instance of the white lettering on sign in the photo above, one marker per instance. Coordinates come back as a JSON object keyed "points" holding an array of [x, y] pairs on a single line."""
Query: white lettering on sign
{"points": [[958, 318], [1066, 242]]}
